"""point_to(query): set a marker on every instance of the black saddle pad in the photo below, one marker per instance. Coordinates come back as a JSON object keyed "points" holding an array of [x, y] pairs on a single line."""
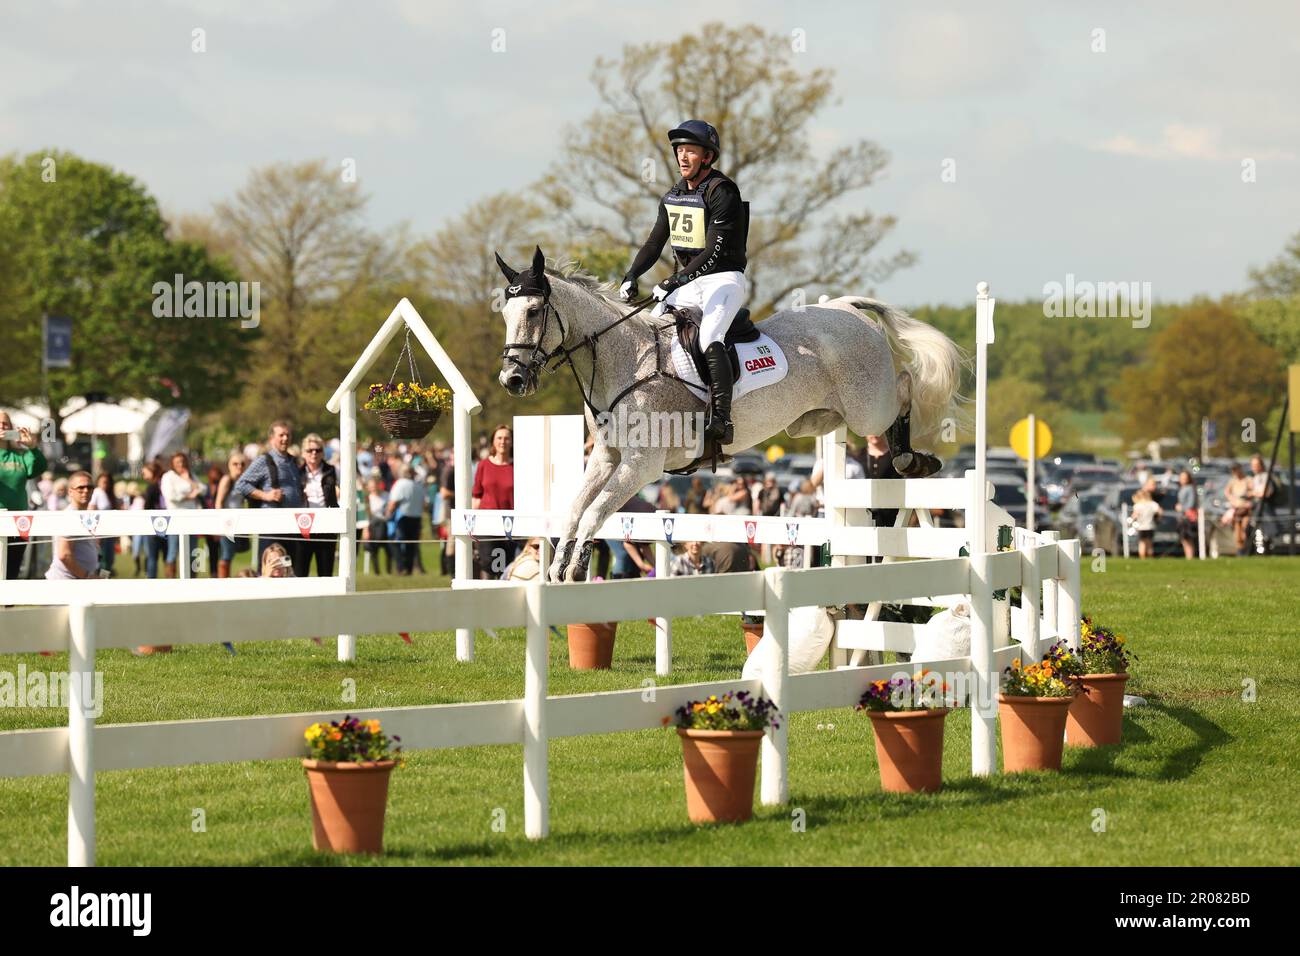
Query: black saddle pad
{"points": [[688, 318]]}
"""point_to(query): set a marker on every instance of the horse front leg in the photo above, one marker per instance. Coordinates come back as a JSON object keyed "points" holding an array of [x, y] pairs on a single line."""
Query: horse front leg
{"points": [[600, 465], [634, 471]]}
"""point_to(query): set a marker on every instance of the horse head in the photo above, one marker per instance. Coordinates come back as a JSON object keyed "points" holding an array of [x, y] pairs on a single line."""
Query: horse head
{"points": [[534, 330]]}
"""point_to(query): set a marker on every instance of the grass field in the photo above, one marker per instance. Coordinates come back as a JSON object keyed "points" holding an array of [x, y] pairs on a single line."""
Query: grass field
{"points": [[1204, 777]]}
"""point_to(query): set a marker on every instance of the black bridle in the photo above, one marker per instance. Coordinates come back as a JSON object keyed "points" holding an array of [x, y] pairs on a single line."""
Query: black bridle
{"points": [[540, 360]]}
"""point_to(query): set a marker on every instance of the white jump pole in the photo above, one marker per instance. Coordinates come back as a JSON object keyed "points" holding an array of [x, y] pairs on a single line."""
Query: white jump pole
{"points": [[663, 625], [184, 560], [1030, 493], [1123, 526], [1200, 524], [464, 558], [347, 643], [1069, 605], [537, 822], [81, 737], [774, 786], [1031, 606], [984, 708], [1051, 587]]}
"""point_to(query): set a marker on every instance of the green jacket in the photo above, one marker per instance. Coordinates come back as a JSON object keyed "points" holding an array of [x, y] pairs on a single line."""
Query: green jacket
{"points": [[16, 467]]}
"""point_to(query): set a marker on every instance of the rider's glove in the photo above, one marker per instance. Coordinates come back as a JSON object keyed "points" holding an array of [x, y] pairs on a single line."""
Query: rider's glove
{"points": [[667, 287], [629, 290]]}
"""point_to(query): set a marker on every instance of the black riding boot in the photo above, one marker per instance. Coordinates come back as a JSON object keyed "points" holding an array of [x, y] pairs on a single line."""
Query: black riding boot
{"points": [[719, 427], [908, 462]]}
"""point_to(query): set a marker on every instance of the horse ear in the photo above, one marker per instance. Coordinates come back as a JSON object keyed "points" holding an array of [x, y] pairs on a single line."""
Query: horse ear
{"points": [[510, 274], [539, 262]]}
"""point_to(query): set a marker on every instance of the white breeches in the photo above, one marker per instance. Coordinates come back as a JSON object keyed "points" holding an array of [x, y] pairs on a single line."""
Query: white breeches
{"points": [[718, 296]]}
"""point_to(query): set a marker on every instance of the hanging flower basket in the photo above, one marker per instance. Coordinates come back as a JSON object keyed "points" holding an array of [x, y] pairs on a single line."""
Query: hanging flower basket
{"points": [[408, 409]]}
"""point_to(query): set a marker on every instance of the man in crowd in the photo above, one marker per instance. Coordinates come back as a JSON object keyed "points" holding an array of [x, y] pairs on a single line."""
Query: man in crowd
{"points": [[20, 461], [273, 481]]}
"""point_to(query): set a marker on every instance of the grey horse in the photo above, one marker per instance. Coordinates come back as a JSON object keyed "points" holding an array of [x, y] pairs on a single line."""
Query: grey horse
{"points": [[852, 361]]}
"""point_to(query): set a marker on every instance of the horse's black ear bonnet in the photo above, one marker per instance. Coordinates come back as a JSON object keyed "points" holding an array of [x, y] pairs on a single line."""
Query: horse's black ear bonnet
{"points": [[532, 282]]}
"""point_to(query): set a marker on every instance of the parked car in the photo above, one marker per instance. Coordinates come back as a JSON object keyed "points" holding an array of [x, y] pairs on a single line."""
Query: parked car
{"points": [[800, 463], [1110, 529], [1271, 533], [1084, 478], [1078, 516], [1074, 458]]}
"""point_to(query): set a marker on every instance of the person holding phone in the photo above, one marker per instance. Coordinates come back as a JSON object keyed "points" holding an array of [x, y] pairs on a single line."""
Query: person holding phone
{"points": [[20, 461]]}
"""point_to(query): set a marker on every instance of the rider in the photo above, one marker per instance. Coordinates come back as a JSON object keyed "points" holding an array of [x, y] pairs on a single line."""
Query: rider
{"points": [[704, 220]]}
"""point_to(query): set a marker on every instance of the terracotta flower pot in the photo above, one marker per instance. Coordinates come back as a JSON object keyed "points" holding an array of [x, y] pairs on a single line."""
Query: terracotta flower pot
{"points": [[145, 650], [753, 634], [348, 801], [1033, 732], [720, 768], [591, 646], [1097, 714], [909, 748]]}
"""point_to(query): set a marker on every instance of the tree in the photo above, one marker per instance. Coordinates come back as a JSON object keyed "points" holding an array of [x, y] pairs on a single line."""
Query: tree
{"points": [[85, 241], [296, 229], [1281, 277], [1206, 362], [744, 81]]}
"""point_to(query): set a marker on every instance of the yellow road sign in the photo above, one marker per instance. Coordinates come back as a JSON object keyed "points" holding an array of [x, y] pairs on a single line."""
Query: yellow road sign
{"points": [[1295, 398], [1020, 438]]}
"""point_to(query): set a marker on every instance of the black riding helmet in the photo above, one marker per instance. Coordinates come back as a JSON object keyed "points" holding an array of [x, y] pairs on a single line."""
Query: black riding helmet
{"points": [[697, 133]]}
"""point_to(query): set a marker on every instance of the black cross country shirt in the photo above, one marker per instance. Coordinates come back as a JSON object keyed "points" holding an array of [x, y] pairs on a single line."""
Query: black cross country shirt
{"points": [[705, 226]]}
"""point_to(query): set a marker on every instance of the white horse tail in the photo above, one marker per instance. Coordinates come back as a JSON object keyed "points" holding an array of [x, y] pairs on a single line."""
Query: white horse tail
{"points": [[933, 360]]}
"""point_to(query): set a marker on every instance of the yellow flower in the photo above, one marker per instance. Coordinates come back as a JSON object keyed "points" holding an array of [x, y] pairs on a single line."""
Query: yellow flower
{"points": [[372, 726], [312, 732]]}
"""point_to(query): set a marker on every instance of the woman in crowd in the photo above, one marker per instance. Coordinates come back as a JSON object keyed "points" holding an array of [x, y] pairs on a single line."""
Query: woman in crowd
{"points": [[182, 491], [152, 500], [376, 532], [494, 490], [104, 499], [225, 497]]}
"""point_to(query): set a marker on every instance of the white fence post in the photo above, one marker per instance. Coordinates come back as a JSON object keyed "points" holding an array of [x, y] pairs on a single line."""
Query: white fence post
{"points": [[1050, 586], [81, 736], [984, 688], [464, 557], [1068, 607], [1200, 524], [347, 643], [1123, 526], [1031, 603], [663, 625], [537, 814], [775, 784]]}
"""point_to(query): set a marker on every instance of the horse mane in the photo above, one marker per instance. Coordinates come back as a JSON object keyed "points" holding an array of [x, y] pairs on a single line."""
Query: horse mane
{"points": [[573, 272]]}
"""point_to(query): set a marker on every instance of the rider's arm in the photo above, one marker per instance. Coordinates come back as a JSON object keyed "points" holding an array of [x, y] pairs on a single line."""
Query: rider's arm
{"points": [[724, 216], [649, 253]]}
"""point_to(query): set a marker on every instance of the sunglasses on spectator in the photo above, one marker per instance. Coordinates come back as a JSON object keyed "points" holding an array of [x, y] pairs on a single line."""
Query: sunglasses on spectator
{"points": [[311, 451], [81, 487]]}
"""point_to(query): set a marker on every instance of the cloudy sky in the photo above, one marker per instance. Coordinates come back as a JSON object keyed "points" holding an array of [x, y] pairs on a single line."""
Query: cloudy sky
{"points": [[1125, 164]]}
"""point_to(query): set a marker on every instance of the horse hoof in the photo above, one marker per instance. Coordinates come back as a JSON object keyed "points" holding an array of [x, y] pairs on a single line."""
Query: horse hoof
{"points": [[916, 464]]}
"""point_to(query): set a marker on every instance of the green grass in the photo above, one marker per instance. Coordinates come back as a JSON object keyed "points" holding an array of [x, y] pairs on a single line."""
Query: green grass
{"points": [[1202, 778]]}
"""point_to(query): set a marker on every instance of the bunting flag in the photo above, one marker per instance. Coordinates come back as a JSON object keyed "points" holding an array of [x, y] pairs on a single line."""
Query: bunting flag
{"points": [[90, 521], [508, 524], [305, 520], [792, 531], [228, 646], [404, 636], [627, 529], [160, 524], [668, 530], [469, 525], [751, 531], [23, 524]]}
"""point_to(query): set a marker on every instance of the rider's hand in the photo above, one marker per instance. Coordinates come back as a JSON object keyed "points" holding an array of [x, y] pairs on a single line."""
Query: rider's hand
{"points": [[628, 290], [660, 292]]}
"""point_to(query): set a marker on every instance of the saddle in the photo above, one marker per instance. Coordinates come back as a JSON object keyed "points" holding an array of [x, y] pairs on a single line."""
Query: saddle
{"points": [[687, 319]]}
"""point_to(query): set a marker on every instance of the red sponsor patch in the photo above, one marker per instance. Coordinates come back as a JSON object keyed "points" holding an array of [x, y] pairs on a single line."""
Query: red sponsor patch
{"points": [[760, 363]]}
